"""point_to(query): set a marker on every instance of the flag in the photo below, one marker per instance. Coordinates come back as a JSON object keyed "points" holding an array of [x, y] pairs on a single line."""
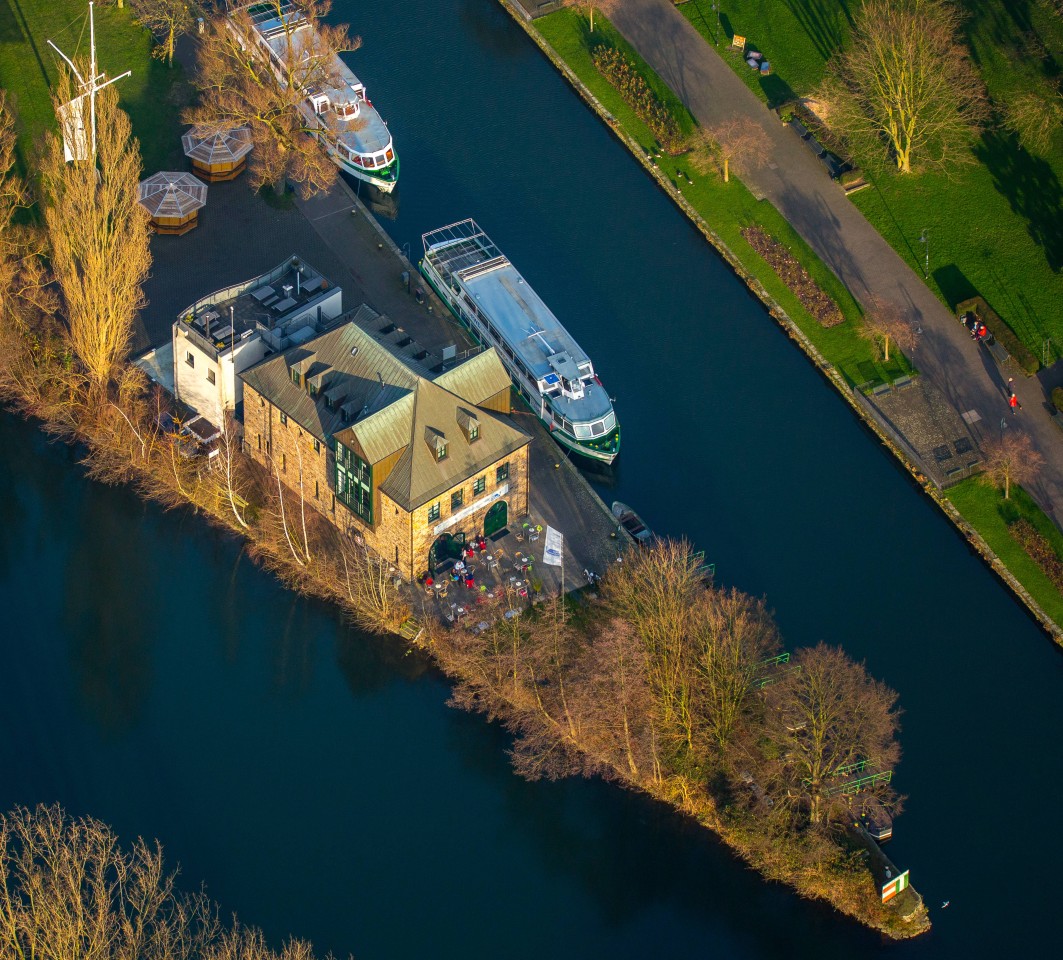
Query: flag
{"points": [[892, 887], [72, 123], [555, 544]]}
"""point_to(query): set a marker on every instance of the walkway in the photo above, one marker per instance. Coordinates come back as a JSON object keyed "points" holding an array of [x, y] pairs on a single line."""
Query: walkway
{"points": [[795, 182]]}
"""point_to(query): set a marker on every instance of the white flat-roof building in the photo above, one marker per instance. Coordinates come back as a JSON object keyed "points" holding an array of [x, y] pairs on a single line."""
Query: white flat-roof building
{"points": [[225, 333]]}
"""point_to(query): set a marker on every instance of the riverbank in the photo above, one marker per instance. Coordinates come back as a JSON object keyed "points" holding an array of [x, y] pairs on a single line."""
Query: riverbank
{"points": [[713, 232]]}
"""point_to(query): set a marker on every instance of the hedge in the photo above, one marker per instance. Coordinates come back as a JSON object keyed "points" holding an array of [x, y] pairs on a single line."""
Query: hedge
{"points": [[1001, 332], [622, 73]]}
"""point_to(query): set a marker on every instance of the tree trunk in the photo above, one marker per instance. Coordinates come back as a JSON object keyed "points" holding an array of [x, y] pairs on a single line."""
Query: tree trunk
{"points": [[886, 349], [280, 185], [726, 170], [592, 19]]}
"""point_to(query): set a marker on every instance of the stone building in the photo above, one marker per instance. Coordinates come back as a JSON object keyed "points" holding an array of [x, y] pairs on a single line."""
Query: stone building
{"points": [[411, 463]]}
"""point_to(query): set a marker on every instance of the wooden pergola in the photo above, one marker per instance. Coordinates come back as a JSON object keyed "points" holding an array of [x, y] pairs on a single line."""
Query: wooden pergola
{"points": [[173, 199]]}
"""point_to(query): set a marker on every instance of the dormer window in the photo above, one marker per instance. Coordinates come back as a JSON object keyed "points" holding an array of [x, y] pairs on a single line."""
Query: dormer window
{"points": [[437, 443], [469, 424], [297, 377]]}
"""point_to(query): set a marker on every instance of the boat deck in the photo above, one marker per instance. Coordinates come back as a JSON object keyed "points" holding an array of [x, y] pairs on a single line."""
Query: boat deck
{"points": [[463, 254]]}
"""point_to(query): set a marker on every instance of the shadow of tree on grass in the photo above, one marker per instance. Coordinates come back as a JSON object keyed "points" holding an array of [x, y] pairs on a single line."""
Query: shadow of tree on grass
{"points": [[1031, 188], [826, 22]]}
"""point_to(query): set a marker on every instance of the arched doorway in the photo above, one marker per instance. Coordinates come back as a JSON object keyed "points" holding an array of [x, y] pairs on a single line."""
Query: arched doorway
{"points": [[446, 547], [496, 519]]}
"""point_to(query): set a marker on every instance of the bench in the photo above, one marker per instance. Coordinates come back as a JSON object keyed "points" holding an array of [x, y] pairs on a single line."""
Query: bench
{"points": [[901, 382], [997, 350]]}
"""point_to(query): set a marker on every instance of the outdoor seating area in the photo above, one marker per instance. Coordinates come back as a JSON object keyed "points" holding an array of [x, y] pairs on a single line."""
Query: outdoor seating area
{"points": [[495, 577]]}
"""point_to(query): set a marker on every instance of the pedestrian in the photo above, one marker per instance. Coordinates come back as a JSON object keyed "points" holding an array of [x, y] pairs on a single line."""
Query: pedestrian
{"points": [[1013, 402], [982, 331]]}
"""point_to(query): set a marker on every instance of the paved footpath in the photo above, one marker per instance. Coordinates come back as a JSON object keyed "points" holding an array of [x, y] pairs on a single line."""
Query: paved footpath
{"points": [[796, 183]]}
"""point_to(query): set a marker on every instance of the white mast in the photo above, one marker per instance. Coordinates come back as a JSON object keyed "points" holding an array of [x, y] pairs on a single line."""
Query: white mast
{"points": [[91, 86]]}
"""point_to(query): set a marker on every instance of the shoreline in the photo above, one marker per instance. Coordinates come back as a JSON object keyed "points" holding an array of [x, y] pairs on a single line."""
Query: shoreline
{"points": [[963, 527]]}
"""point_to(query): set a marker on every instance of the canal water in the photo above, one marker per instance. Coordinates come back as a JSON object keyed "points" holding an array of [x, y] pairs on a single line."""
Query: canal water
{"points": [[314, 778]]}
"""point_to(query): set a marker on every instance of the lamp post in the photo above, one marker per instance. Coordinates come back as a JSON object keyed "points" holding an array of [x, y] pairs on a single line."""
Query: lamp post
{"points": [[716, 10], [924, 239]]}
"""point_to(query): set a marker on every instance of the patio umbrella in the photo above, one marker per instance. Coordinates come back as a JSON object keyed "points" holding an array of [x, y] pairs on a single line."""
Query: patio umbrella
{"points": [[170, 195]]}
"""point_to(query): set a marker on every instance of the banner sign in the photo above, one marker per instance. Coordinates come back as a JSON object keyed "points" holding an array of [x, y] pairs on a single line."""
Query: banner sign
{"points": [[555, 544], [75, 134], [891, 888], [454, 518]]}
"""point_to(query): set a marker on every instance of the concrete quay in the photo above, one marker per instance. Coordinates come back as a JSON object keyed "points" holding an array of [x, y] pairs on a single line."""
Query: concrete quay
{"points": [[241, 236]]}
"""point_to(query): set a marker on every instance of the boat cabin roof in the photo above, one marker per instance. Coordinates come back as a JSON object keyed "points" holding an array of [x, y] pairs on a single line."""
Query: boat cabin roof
{"points": [[464, 255], [367, 133]]}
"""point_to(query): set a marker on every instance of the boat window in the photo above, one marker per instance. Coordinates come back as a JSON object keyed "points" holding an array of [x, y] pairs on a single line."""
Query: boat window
{"points": [[598, 428], [391, 155], [368, 162]]}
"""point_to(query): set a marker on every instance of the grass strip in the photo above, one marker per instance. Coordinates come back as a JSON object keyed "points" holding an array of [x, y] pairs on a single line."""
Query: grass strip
{"points": [[984, 508], [727, 207]]}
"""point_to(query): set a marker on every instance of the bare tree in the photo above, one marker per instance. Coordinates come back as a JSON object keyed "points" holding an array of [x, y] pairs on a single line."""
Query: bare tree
{"points": [[735, 634], [613, 698], [655, 590], [25, 296], [67, 889], [1011, 459], [730, 143], [167, 20], [588, 7], [885, 325], [907, 81], [240, 85], [1036, 117], [830, 728], [97, 236]]}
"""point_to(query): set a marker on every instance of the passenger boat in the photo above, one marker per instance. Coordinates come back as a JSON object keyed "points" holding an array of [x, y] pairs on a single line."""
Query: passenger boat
{"points": [[551, 371], [336, 109], [633, 524]]}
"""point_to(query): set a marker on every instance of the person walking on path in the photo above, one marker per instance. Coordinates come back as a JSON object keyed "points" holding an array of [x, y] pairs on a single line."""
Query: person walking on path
{"points": [[1013, 402]]}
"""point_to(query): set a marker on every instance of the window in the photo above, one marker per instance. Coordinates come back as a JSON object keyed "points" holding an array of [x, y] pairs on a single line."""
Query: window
{"points": [[210, 376], [190, 358], [474, 431], [260, 441], [317, 492], [441, 451], [284, 419], [479, 485], [433, 513], [354, 482], [457, 498], [284, 463], [317, 446], [502, 472], [295, 378]]}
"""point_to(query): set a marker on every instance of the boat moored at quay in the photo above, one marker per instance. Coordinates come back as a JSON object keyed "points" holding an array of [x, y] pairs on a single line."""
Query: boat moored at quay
{"points": [[336, 108], [551, 371]]}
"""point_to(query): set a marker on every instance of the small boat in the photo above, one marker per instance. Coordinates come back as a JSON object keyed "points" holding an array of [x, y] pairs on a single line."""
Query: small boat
{"points": [[632, 523], [875, 819], [337, 109]]}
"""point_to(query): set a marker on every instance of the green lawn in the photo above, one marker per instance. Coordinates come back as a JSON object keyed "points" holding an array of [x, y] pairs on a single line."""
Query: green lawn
{"points": [[726, 207], [996, 227], [28, 67], [795, 36], [985, 508]]}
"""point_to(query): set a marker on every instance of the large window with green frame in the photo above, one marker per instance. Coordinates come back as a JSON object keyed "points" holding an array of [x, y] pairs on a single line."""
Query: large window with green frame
{"points": [[354, 482]]}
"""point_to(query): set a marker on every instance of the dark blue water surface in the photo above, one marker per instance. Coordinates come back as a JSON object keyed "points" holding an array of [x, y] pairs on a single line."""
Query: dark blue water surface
{"points": [[314, 779]]}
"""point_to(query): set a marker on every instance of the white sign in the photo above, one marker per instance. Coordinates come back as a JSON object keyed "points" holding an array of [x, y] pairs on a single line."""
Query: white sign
{"points": [[555, 545], [468, 511], [75, 135]]}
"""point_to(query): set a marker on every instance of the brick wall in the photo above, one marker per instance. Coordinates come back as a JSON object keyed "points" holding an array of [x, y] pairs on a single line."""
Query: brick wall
{"points": [[265, 435]]}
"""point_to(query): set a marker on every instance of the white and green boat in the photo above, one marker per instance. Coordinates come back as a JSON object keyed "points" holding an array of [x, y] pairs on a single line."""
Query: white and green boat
{"points": [[548, 367], [336, 107]]}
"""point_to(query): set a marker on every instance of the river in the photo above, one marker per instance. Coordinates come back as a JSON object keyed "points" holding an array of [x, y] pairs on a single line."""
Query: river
{"points": [[315, 780]]}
